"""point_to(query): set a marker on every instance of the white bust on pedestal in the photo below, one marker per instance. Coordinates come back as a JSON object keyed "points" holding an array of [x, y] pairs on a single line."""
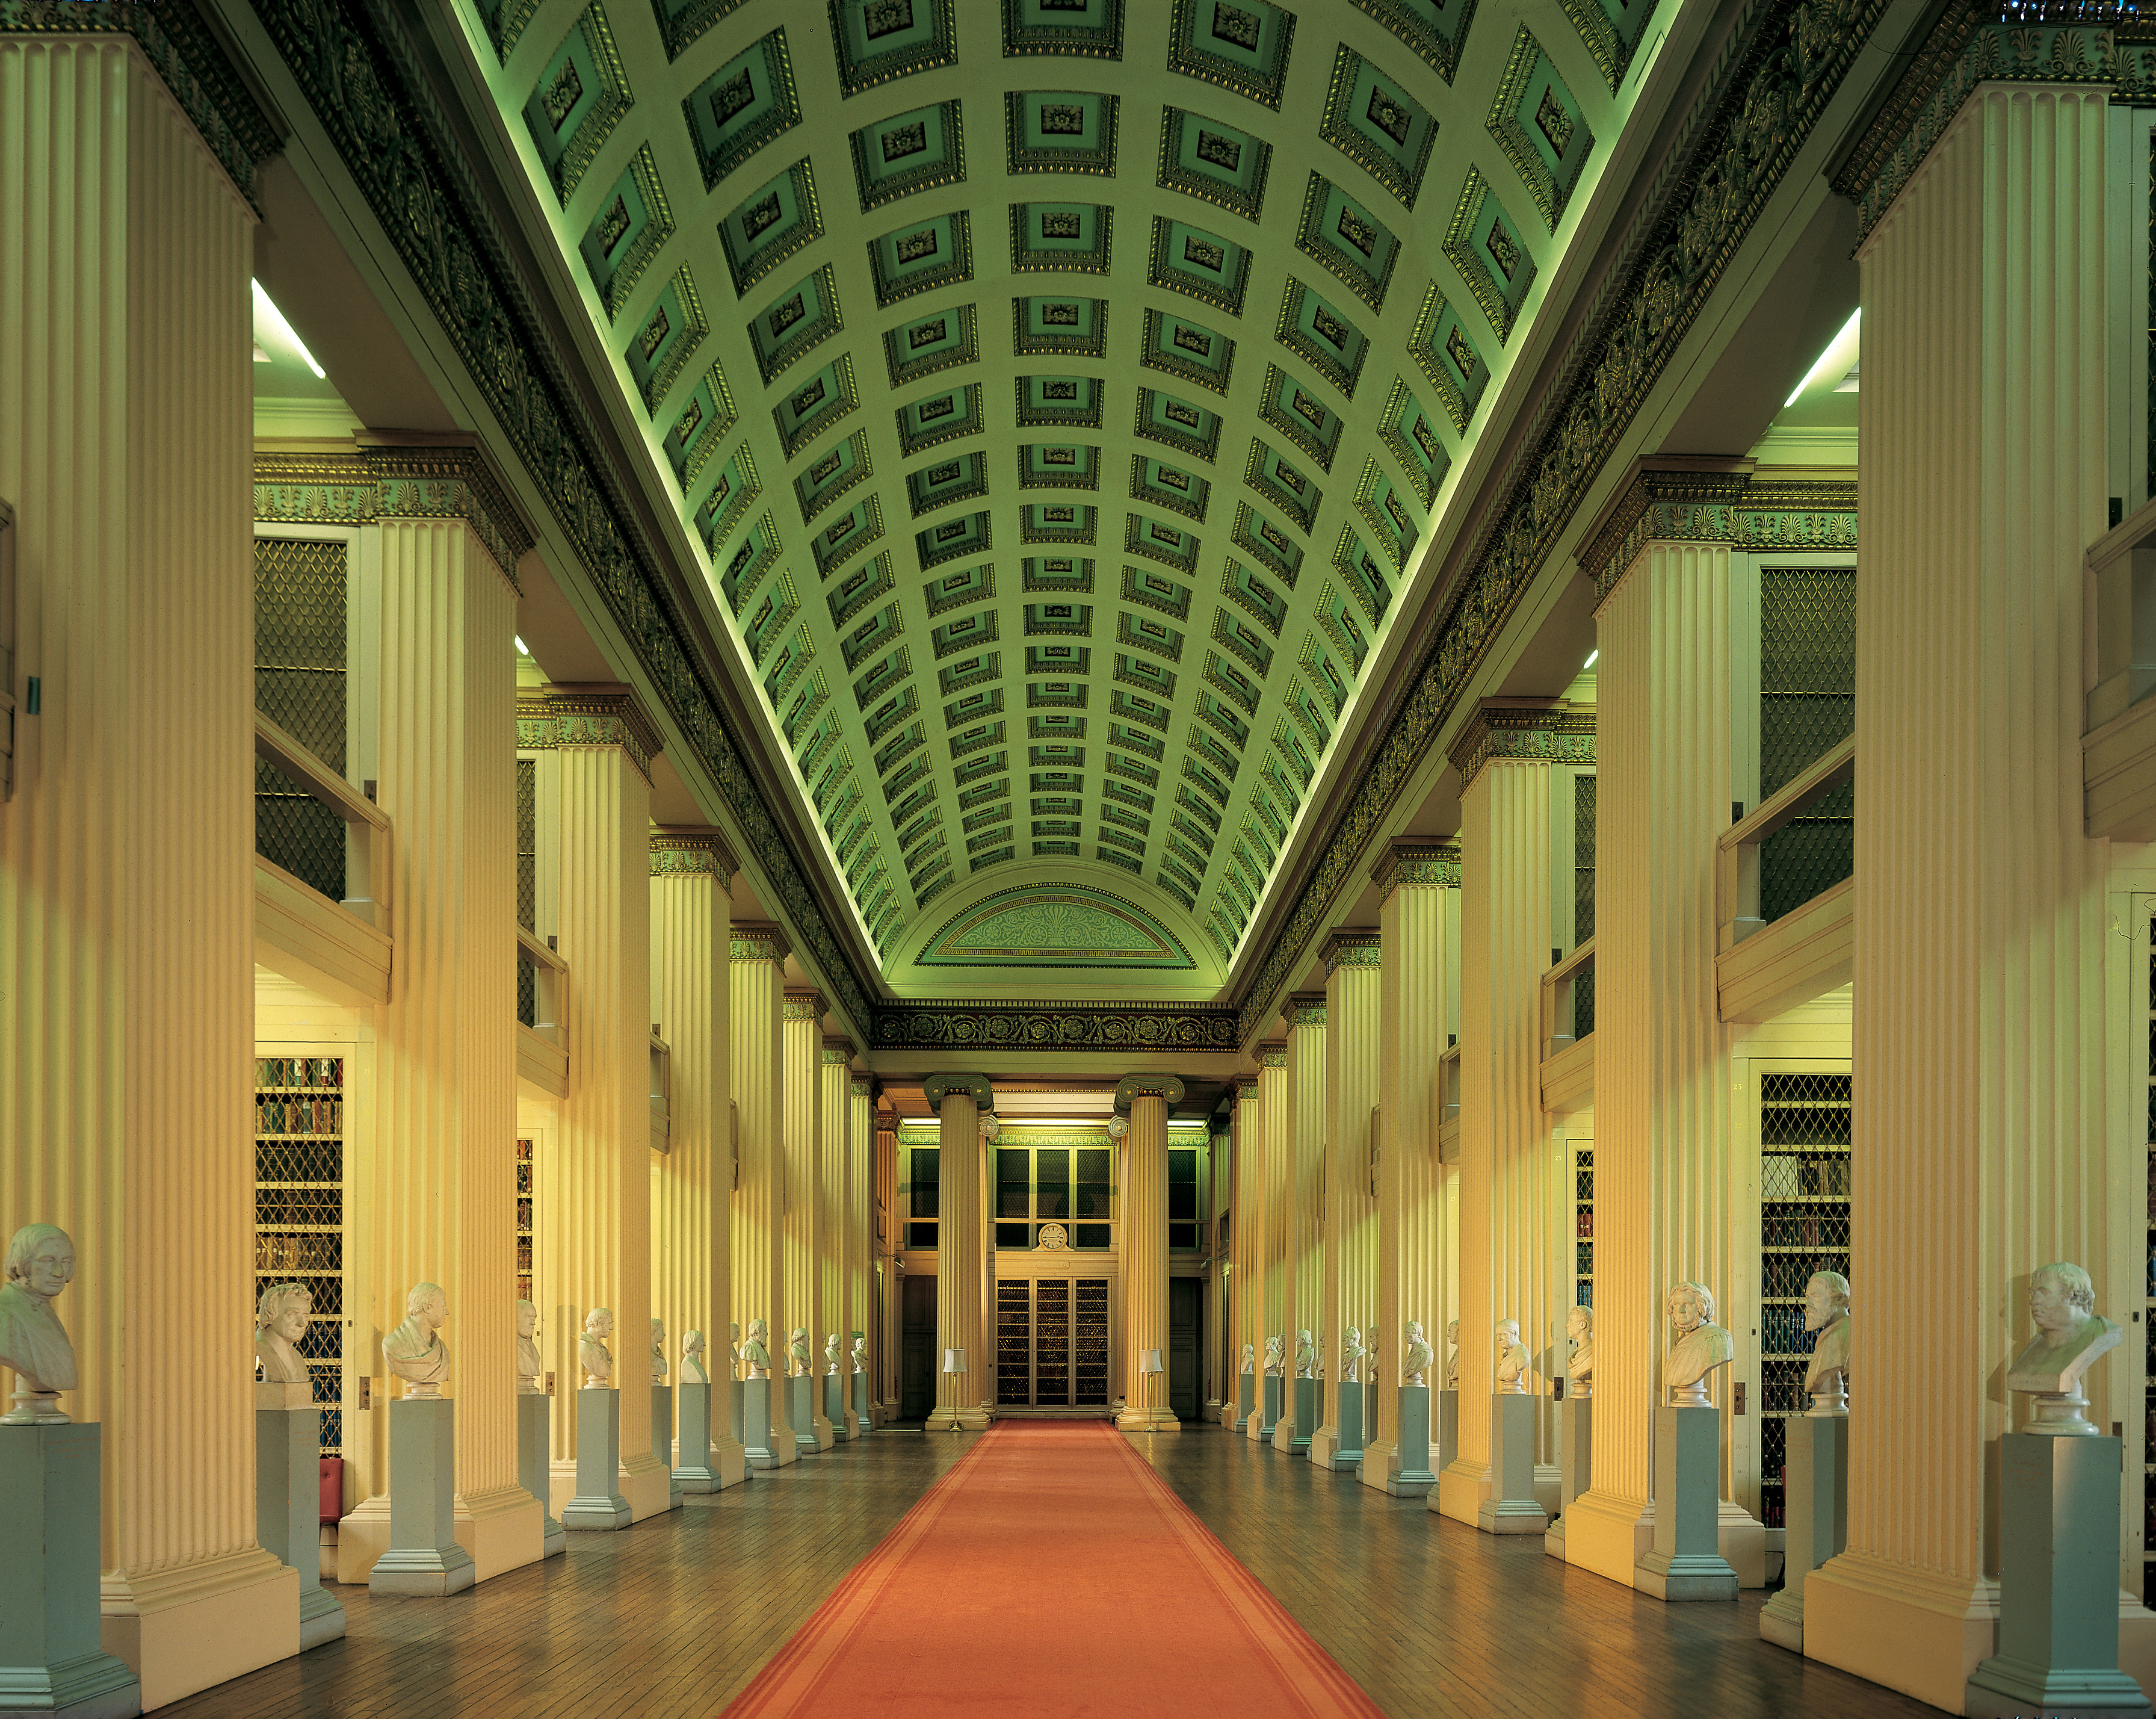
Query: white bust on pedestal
{"points": [[531, 1365], [1512, 1359], [1249, 1358], [1579, 1327], [693, 1370], [413, 1350], [40, 1264], [1305, 1355], [1416, 1364], [797, 1352], [658, 1350], [831, 1355], [1351, 1358], [1701, 1347], [280, 1321], [1275, 1357], [861, 1353], [1452, 1354], [1826, 1311], [757, 1351], [2070, 1335], [734, 1335], [592, 1354]]}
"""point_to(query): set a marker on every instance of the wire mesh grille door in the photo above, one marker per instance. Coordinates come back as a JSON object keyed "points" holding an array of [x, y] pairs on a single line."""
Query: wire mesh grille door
{"points": [[1583, 1223], [1807, 707], [527, 883], [1091, 1385], [524, 1227], [299, 686], [1582, 899], [1051, 1344], [1803, 1222], [299, 1210], [1014, 1344], [2148, 1035]]}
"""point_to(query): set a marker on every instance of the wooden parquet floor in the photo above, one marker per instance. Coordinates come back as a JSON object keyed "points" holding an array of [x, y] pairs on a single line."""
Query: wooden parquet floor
{"points": [[673, 1617]]}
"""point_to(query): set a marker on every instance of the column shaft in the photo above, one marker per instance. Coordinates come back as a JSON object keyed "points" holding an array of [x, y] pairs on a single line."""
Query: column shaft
{"points": [[860, 1258], [1144, 1266], [885, 1336], [1246, 1223], [756, 1065], [804, 1014], [834, 1108], [960, 1262], [1276, 1127], [1350, 1285], [1303, 1281]]}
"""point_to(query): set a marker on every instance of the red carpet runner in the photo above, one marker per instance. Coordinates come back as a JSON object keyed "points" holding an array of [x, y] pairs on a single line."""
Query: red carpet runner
{"points": [[1051, 1572]]}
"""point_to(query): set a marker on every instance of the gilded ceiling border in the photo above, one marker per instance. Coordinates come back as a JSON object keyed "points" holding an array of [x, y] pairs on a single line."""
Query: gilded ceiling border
{"points": [[364, 87], [1054, 1026], [1778, 72]]}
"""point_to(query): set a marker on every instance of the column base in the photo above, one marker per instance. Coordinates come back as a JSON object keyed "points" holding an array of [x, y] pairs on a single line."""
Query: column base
{"points": [[864, 1419], [1148, 1420], [534, 1468], [965, 1417], [2008, 1689], [597, 1507], [662, 1442], [1608, 1534], [502, 1529], [648, 1484], [1553, 1538], [1917, 1631], [1782, 1620], [1683, 1576], [1463, 1488], [322, 1619]]}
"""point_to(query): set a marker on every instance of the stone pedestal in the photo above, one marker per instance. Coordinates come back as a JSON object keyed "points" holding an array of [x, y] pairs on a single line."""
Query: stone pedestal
{"points": [[1448, 1428], [535, 1465], [2058, 1585], [753, 1406], [734, 1408], [52, 1658], [1575, 1466], [662, 1440], [1246, 1398], [1511, 1507], [692, 1463], [599, 1506], [1684, 1563], [424, 1558], [1816, 1514], [1306, 1415], [288, 1507], [801, 1397], [1416, 1478], [835, 1406], [1341, 1451], [1269, 1410], [864, 1421]]}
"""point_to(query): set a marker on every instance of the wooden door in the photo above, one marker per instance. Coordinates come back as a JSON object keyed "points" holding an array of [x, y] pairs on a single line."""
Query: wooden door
{"points": [[917, 1357]]}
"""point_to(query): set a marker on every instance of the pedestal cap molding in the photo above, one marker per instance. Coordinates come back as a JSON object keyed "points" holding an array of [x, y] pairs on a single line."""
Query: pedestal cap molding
{"points": [[1148, 1086], [1351, 946], [1707, 499], [1416, 860], [589, 713], [757, 940], [938, 1087], [683, 850], [1522, 731]]}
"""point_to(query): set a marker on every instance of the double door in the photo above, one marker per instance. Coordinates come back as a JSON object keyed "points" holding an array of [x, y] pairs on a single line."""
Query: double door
{"points": [[1052, 1349]]}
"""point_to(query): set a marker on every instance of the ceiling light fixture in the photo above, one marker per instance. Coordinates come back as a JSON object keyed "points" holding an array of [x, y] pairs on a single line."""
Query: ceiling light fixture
{"points": [[522, 649], [1825, 361], [1591, 656], [269, 313]]}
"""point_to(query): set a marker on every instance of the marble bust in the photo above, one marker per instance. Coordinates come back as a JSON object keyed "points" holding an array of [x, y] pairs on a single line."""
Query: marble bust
{"points": [[1321, 1355], [797, 1352], [280, 1321], [1305, 1355], [1275, 1357], [860, 1356], [1249, 1358], [592, 1354], [1452, 1354], [757, 1351], [1826, 1311], [40, 1264], [413, 1350], [1351, 1358], [733, 1332], [1579, 1327], [1701, 1347], [693, 1370], [1511, 1358], [531, 1365], [1415, 1366], [831, 1355], [2070, 1335], [658, 1350]]}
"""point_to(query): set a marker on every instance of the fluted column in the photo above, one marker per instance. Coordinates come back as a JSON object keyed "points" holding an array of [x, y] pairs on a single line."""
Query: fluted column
{"points": [[1508, 1258], [858, 1257], [1147, 1100], [960, 1264], [445, 1068], [1275, 1123], [758, 952], [884, 1336], [1303, 1229], [802, 1060], [834, 1111], [594, 1230], [1418, 883], [1246, 1258], [692, 1210], [1349, 1278], [1984, 1136], [126, 1027]]}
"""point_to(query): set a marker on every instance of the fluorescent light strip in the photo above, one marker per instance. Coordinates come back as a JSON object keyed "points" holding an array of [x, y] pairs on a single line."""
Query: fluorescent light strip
{"points": [[1820, 365], [274, 317]]}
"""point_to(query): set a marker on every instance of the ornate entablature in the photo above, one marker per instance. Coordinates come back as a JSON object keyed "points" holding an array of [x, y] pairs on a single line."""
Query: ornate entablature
{"points": [[1273, 1054], [988, 1026], [678, 851], [804, 1006], [1523, 731], [1305, 1008], [757, 940], [592, 715], [433, 479], [1697, 503], [838, 1050], [1351, 946], [1416, 862]]}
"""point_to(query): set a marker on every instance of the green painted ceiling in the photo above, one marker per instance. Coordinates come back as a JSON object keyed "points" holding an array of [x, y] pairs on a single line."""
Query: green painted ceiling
{"points": [[1062, 397]]}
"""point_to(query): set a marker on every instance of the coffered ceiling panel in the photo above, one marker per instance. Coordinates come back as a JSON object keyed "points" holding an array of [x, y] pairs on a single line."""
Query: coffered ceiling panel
{"points": [[1061, 397]]}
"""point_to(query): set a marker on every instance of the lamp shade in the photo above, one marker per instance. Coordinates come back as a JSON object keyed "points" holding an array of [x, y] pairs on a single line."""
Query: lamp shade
{"points": [[1149, 1362], [954, 1361]]}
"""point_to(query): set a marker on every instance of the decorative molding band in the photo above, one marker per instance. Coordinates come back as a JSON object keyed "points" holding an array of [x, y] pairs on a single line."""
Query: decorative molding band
{"points": [[1351, 946], [838, 1050], [1522, 731], [1273, 1054], [757, 940], [938, 1087], [1970, 45], [395, 480], [596, 714], [683, 850], [188, 61], [1148, 1086], [1244, 1086], [1412, 862], [1307, 1008], [364, 79], [804, 1006], [1778, 70], [1708, 501], [1059, 1026]]}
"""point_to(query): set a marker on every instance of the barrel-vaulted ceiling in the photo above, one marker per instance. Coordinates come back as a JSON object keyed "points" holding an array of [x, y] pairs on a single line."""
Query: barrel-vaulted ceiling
{"points": [[1062, 396]]}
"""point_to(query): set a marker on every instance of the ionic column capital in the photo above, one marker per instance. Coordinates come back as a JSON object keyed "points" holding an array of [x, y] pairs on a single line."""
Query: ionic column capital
{"points": [[1131, 1087], [938, 1087]]}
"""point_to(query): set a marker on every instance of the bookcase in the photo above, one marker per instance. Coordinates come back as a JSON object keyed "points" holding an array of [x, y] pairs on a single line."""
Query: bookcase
{"points": [[299, 1210]]}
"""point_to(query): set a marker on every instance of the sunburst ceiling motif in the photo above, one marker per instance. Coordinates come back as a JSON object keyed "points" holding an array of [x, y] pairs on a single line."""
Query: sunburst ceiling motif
{"points": [[1061, 399]]}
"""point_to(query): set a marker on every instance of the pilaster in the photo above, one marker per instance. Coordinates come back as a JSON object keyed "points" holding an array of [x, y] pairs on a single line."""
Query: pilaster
{"points": [[803, 1013], [1147, 1100], [834, 1111], [1349, 1275], [858, 1260], [126, 429], [1246, 1221], [1414, 879], [692, 871], [959, 1101], [757, 951], [1302, 1281], [1276, 1125], [886, 1334]]}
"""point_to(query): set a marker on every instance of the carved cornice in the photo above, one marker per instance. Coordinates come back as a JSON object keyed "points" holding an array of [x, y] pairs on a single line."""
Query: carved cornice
{"points": [[1523, 731], [838, 1049], [1148, 1086], [803, 1005], [598, 714], [938, 1087], [1968, 45], [435, 478], [757, 940], [1305, 1008], [863, 1086], [1715, 501], [1273, 1054], [1756, 110], [1060, 1026], [687, 850], [1351, 946], [1244, 1086], [1418, 862], [188, 61]]}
